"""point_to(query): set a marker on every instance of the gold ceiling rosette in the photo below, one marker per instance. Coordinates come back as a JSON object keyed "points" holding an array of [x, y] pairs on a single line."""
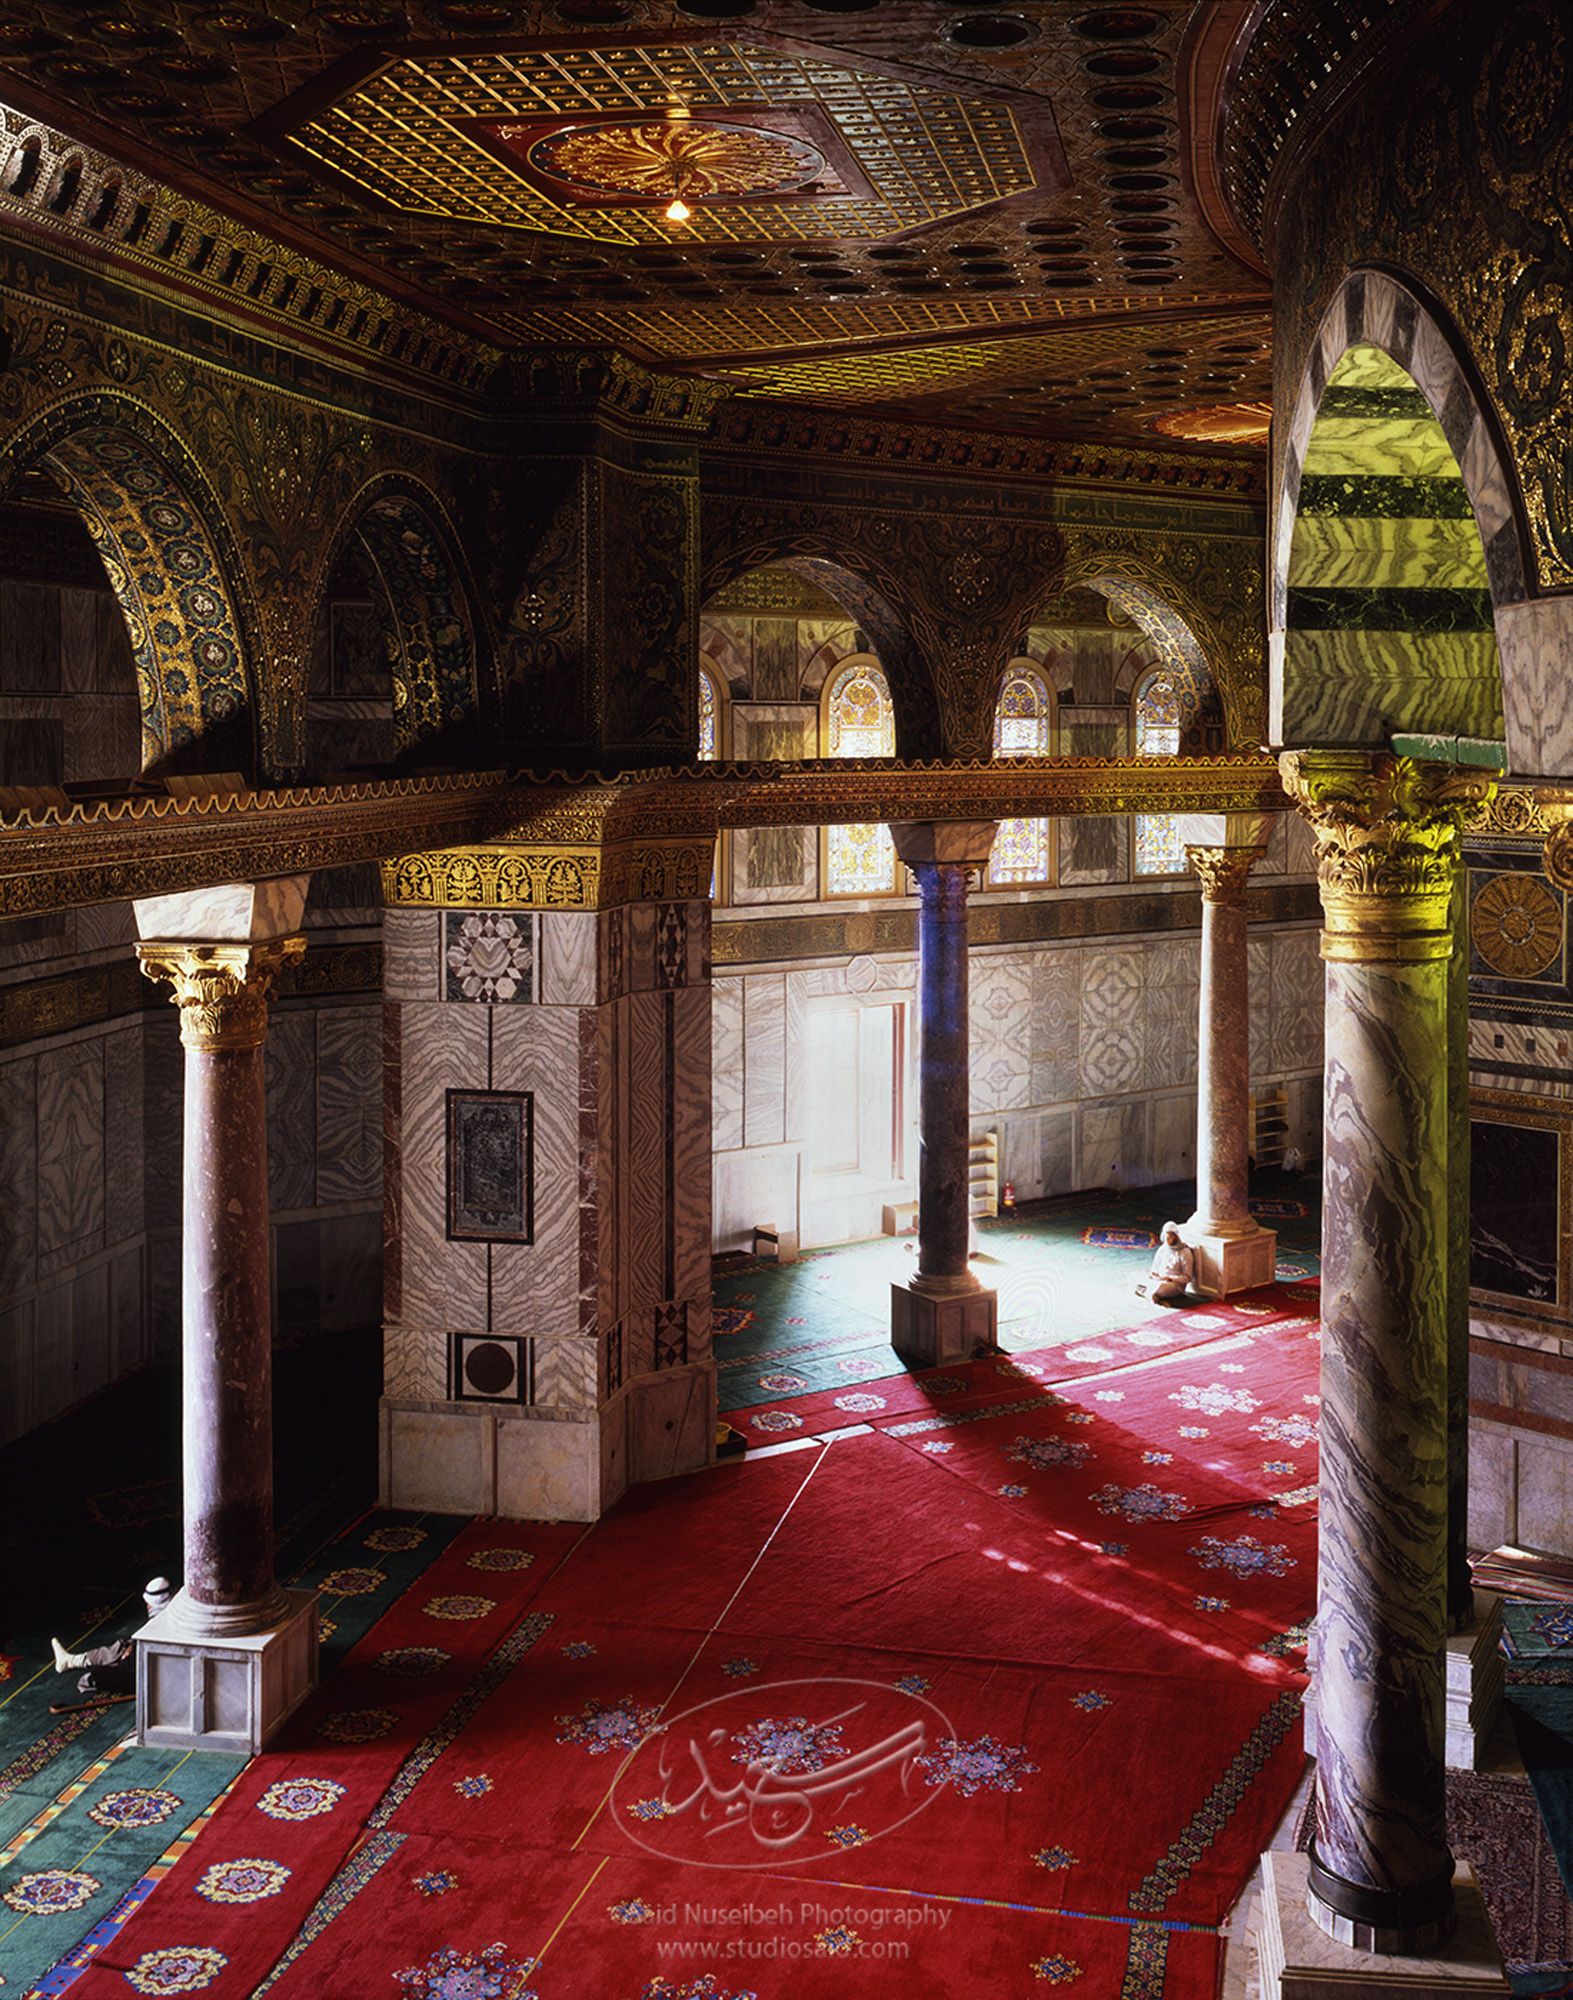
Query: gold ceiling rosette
{"points": [[645, 161]]}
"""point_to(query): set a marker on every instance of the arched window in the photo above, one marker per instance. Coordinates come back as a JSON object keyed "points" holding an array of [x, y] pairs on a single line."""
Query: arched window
{"points": [[1156, 713], [859, 722], [1023, 722], [709, 717]]}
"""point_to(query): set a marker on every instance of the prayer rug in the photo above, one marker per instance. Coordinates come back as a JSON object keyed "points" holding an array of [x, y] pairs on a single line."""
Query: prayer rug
{"points": [[1102, 1237], [1277, 1210]]}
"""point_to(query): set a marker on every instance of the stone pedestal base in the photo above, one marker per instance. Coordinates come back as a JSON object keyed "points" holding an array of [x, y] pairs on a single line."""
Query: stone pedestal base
{"points": [[528, 1464], [1301, 1962], [926, 1330], [229, 1694], [1475, 1676], [1227, 1264]]}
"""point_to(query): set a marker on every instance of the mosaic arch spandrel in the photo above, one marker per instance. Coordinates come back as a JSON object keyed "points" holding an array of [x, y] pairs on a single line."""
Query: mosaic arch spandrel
{"points": [[172, 565]]}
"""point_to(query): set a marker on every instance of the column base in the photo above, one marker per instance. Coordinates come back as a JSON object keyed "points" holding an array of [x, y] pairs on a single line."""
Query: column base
{"points": [[1475, 1676], [233, 1693], [529, 1464], [926, 1330], [1228, 1264], [1299, 1961]]}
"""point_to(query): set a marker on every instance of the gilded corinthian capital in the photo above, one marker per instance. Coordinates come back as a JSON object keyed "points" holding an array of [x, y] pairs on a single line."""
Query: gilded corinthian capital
{"points": [[1223, 871], [1388, 845], [221, 989]]}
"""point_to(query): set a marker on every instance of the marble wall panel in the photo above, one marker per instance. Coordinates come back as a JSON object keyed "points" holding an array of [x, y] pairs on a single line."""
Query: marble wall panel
{"points": [[691, 1144], [444, 1048], [1545, 1493], [349, 1104], [124, 1096], [641, 1162], [1094, 849], [105, 927], [52, 1370], [291, 1052], [1493, 1486], [1259, 973], [1300, 856], [568, 959], [764, 1080], [1094, 730], [535, 1286], [1174, 1137], [18, 1350], [566, 1376], [415, 1362], [1112, 1145], [163, 1119], [773, 864], [1038, 1154], [18, 1176], [1056, 1026], [129, 1337], [999, 1016], [70, 1154], [410, 954], [727, 1061], [349, 1271], [1171, 1027], [1112, 1020], [638, 947], [1295, 998], [750, 1189]]}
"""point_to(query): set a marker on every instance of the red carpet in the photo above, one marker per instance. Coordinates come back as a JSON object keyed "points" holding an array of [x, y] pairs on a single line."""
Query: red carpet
{"points": [[965, 1384], [871, 1718]]}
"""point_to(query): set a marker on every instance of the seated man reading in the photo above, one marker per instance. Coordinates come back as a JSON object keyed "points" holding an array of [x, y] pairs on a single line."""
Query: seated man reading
{"points": [[1173, 1267]]}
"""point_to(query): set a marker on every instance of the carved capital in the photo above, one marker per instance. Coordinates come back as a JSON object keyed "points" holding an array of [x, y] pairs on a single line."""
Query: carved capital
{"points": [[221, 989], [1223, 871], [1388, 846]]}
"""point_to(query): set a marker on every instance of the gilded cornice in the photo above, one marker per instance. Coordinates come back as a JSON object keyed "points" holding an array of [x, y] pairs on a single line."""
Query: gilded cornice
{"points": [[114, 215], [753, 426]]}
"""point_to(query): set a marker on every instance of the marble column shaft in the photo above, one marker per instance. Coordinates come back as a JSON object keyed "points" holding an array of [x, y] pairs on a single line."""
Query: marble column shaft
{"points": [[1387, 835], [222, 991], [944, 1089], [1460, 1588], [1223, 1054]]}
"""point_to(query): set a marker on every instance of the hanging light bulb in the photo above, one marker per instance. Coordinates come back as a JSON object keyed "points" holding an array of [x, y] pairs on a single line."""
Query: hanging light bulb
{"points": [[677, 210]]}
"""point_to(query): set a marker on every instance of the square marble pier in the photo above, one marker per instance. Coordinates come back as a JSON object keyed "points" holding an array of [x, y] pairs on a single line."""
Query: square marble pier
{"points": [[1301, 1962], [1229, 1264], [230, 1694], [926, 1330]]}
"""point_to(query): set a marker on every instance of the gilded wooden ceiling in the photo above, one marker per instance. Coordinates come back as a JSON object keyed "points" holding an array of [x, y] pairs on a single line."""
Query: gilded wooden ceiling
{"points": [[946, 209]]}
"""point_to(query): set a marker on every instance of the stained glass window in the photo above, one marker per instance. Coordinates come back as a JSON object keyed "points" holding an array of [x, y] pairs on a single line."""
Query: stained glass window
{"points": [[859, 860], [1159, 848], [709, 719], [1021, 729]]}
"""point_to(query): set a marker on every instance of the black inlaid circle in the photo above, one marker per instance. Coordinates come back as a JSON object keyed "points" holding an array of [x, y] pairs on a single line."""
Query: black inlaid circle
{"points": [[488, 1367]]}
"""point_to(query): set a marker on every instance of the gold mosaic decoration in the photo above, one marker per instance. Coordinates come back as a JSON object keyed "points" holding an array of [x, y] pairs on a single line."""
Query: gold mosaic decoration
{"points": [[413, 135], [652, 161]]}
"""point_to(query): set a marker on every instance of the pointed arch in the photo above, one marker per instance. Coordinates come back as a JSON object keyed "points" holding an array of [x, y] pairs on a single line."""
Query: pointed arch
{"points": [[401, 537], [1397, 538], [173, 566]]}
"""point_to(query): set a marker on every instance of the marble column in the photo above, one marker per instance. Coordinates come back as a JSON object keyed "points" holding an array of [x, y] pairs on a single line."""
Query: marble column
{"points": [[1232, 1251], [1387, 834], [223, 1664], [1460, 1590], [944, 1313]]}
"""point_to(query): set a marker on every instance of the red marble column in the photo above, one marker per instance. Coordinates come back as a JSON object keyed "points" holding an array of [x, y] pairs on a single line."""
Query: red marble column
{"points": [[221, 989]]}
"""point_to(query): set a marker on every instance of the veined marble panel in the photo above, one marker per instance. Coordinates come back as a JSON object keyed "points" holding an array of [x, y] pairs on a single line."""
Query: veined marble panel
{"points": [[641, 1163], [764, 1082], [1112, 1026], [1174, 1137], [444, 1048], [18, 1388], [1111, 1145], [1172, 1022], [1300, 858], [1259, 968], [535, 1286], [774, 864], [1537, 668], [566, 1376], [726, 1002], [1056, 1026], [751, 1189], [1000, 1023], [349, 1104], [70, 1153], [568, 958], [691, 1099], [638, 947], [1038, 1154], [1295, 992], [163, 1120], [123, 1115], [19, 1176], [1088, 731], [1362, 551], [410, 954], [291, 1053], [1094, 849]]}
